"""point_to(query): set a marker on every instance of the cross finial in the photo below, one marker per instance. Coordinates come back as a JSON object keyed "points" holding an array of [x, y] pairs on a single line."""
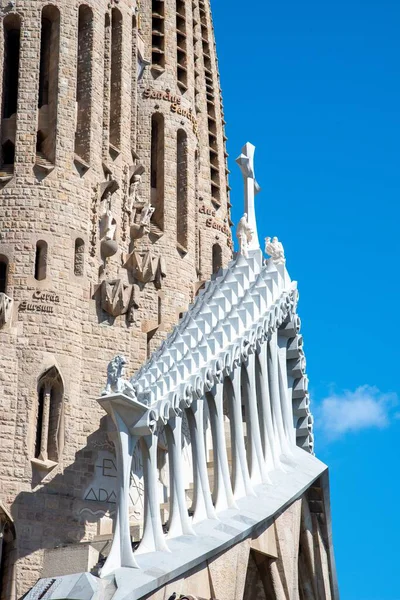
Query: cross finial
{"points": [[251, 189]]}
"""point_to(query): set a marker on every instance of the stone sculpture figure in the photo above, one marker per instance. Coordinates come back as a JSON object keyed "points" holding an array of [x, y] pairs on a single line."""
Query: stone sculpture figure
{"points": [[145, 217], [251, 189], [244, 234], [5, 309], [133, 192], [274, 249], [108, 223], [116, 383]]}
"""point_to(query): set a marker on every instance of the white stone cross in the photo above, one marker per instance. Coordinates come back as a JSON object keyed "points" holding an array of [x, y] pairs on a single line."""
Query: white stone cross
{"points": [[251, 189]]}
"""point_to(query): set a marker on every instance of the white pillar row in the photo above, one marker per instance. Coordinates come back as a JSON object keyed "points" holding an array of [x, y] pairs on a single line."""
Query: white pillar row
{"points": [[269, 435], [241, 476], [273, 377], [257, 467], [223, 492], [285, 393], [203, 507], [121, 553], [153, 536], [179, 520]]}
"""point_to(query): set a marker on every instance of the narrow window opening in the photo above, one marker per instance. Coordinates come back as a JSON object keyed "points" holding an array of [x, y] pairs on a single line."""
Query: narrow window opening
{"points": [[182, 190], [12, 31], [41, 260], [216, 258], [79, 260], [116, 78], [181, 45], [212, 98], [3, 274], [158, 37], [48, 85], [84, 83], [49, 440], [12, 34], [157, 169], [107, 82]]}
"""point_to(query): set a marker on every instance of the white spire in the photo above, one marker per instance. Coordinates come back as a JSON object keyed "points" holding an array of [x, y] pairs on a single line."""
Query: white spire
{"points": [[251, 189]]}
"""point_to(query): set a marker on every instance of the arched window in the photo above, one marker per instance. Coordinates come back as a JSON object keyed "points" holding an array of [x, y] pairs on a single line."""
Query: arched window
{"points": [[3, 274], [216, 258], [84, 83], [49, 442], [7, 555], [41, 260], [12, 34], [48, 83], [182, 216], [116, 78], [157, 168], [79, 259]]}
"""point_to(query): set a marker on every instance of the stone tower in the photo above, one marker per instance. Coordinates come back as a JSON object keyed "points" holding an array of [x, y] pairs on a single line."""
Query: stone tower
{"points": [[114, 210]]}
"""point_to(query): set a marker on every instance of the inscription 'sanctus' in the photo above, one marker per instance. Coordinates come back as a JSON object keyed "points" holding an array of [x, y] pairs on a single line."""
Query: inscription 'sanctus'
{"points": [[176, 106]]}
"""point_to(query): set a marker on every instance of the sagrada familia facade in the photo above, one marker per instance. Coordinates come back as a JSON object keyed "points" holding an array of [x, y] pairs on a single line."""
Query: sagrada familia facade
{"points": [[196, 478]]}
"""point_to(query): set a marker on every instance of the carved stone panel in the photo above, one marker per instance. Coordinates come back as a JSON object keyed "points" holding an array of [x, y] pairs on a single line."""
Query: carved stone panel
{"points": [[115, 297], [146, 267]]}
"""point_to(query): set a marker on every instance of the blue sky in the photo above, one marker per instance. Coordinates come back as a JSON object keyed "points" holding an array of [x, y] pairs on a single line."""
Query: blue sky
{"points": [[316, 87]]}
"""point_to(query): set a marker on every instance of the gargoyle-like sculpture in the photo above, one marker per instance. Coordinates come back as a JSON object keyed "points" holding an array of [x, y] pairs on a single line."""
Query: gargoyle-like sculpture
{"points": [[116, 384], [244, 234], [275, 250], [5, 309]]}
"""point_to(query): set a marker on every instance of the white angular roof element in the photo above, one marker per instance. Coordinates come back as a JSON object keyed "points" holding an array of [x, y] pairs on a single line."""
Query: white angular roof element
{"points": [[237, 307]]}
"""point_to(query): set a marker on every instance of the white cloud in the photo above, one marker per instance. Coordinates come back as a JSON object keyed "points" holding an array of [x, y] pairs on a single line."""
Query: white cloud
{"points": [[367, 407]]}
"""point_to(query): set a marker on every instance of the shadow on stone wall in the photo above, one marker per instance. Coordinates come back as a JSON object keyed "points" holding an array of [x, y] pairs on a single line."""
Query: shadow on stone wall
{"points": [[55, 513]]}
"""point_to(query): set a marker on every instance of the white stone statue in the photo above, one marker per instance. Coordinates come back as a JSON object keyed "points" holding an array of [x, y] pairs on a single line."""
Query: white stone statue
{"points": [[251, 189], [5, 309], [244, 234], [133, 192], [274, 249], [115, 379], [145, 217], [108, 223]]}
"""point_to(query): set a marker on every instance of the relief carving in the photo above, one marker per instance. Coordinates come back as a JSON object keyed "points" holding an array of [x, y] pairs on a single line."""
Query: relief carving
{"points": [[117, 298], [145, 267]]}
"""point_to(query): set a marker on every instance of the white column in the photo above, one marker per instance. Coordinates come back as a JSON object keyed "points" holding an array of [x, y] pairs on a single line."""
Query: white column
{"points": [[179, 520], [273, 376], [258, 471], [285, 393], [121, 554], [223, 493], [241, 477], [270, 436], [202, 501], [44, 434], [153, 536]]}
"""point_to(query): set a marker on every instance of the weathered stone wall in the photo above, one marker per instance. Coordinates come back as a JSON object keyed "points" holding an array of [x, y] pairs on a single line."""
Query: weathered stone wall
{"points": [[59, 321]]}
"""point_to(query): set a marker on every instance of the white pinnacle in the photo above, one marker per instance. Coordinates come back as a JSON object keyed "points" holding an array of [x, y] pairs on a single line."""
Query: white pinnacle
{"points": [[251, 189]]}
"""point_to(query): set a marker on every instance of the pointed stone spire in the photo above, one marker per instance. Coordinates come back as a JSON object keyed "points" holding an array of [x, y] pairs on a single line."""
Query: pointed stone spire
{"points": [[251, 189]]}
